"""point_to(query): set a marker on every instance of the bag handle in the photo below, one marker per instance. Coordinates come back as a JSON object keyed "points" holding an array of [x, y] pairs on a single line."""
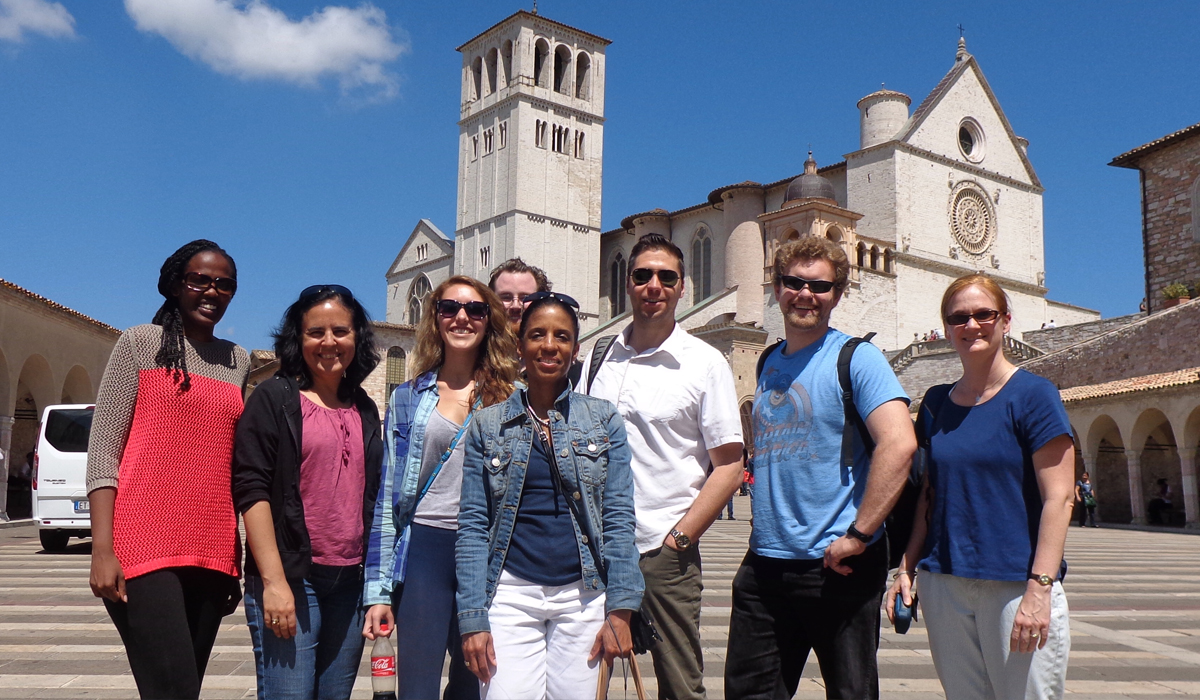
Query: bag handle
{"points": [[602, 680]]}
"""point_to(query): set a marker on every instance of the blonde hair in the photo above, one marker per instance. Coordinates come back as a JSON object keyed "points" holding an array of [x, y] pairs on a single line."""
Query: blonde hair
{"points": [[976, 279], [496, 363]]}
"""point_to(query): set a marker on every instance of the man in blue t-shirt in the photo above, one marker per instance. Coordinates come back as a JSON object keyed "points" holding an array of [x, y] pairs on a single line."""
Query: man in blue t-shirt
{"points": [[814, 576]]}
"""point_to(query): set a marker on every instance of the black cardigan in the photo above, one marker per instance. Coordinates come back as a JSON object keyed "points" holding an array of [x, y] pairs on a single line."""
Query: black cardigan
{"points": [[266, 467]]}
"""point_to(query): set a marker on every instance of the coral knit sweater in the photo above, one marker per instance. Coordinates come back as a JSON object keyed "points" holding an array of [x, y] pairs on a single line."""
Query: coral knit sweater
{"points": [[169, 453]]}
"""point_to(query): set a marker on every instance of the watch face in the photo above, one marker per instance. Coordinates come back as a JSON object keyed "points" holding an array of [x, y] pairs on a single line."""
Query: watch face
{"points": [[681, 539]]}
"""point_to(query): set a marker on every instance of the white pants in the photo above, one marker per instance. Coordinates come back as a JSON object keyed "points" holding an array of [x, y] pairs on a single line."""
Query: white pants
{"points": [[542, 636], [970, 622]]}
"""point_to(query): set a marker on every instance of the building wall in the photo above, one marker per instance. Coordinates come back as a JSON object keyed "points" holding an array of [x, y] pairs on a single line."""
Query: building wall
{"points": [[1170, 216], [1062, 336]]}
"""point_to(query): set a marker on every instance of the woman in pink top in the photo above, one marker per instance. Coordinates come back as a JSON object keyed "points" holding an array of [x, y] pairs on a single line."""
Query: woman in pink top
{"points": [[307, 460]]}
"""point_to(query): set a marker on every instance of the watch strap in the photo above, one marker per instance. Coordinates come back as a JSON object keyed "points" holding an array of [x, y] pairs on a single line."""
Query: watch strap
{"points": [[857, 534]]}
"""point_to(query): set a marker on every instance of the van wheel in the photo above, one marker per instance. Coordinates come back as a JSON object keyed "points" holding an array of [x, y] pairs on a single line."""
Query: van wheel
{"points": [[54, 540]]}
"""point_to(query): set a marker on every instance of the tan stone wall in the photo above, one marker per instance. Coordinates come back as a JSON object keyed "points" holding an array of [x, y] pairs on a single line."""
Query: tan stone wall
{"points": [[1163, 342], [1172, 251]]}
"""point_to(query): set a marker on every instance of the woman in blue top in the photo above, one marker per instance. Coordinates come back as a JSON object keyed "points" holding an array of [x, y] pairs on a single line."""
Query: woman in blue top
{"points": [[547, 570], [992, 522], [465, 358]]}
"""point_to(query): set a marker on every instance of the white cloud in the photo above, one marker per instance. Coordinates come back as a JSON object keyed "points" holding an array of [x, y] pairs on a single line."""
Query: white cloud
{"points": [[18, 17], [252, 40]]}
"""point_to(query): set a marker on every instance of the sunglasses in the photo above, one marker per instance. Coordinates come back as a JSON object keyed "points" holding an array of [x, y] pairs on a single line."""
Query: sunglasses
{"points": [[981, 317], [643, 275], [561, 298], [797, 283], [201, 283], [476, 310], [316, 289]]}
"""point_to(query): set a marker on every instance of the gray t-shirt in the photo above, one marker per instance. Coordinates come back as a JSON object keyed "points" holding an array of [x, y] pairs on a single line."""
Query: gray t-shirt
{"points": [[439, 508]]}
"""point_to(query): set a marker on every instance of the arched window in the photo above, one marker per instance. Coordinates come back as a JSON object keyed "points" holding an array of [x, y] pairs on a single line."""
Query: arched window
{"points": [[889, 258], [616, 287], [395, 368], [476, 79], [562, 70], [493, 61], [417, 296], [862, 254], [701, 265], [541, 54], [583, 76], [834, 234], [874, 257], [506, 54]]}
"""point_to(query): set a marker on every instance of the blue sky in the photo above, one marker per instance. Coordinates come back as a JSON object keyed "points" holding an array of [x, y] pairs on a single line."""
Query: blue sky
{"points": [[127, 129]]}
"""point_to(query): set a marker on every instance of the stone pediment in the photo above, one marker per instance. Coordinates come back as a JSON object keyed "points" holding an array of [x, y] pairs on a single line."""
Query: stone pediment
{"points": [[425, 233]]}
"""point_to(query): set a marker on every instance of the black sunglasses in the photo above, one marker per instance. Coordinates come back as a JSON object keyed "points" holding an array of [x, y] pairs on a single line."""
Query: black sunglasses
{"points": [[563, 298], [981, 317], [643, 275], [797, 283], [201, 283], [322, 288], [449, 308]]}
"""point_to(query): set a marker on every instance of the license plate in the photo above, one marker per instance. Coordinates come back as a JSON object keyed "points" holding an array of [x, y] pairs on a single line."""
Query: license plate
{"points": [[83, 506]]}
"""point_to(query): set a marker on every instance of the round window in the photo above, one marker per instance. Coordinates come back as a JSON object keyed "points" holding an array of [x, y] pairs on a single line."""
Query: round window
{"points": [[970, 140]]}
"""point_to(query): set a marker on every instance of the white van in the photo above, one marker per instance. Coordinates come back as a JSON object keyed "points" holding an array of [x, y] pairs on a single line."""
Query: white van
{"points": [[60, 503]]}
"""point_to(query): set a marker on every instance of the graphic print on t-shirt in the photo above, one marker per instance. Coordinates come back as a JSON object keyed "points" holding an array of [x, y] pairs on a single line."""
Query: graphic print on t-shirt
{"points": [[783, 417]]}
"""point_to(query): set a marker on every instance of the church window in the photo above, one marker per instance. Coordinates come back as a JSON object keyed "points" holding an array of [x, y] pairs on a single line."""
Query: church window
{"points": [[485, 257], [503, 134], [476, 80], [474, 147], [616, 286], [417, 295], [422, 251], [874, 257], [701, 266], [395, 369], [539, 134], [489, 141], [970, 140], [862, 254], [889, 260], [579, 153], [541, 52], [562, 137], [583, 76], [562, 70], [493, 61], [506, 54]]}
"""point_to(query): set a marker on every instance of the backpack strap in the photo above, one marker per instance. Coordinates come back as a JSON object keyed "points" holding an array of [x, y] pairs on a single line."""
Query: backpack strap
{"points": [[762, 359], [853, 421], [599, 354]]}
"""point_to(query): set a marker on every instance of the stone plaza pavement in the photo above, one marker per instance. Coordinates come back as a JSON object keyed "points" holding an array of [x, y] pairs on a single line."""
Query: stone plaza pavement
{"points": [[1134, 597]]}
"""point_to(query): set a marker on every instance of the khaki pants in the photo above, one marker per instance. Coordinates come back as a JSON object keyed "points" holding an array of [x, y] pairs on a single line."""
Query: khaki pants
{"points": [[673, 586]]}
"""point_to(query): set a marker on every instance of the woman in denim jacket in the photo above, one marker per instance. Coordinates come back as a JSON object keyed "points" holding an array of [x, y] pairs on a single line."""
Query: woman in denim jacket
{"points": [[547, 569], [464, 359]]}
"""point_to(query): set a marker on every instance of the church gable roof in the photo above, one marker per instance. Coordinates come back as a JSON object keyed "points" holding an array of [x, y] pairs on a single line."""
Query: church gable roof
{"points": [[425, 230], [965, 77]]}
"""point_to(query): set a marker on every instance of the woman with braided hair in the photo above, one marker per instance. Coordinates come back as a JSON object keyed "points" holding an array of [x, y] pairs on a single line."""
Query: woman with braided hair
{"points": [[165, 550]]}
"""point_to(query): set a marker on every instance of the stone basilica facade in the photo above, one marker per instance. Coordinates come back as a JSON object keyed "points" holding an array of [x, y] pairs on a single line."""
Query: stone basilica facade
{"points": [[930, 194]]}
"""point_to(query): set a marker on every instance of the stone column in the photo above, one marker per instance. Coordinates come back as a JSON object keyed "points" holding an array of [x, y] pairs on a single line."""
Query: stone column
{"points": [[1137, 505], [1191, 500], [1089, 466], [6, 426]]}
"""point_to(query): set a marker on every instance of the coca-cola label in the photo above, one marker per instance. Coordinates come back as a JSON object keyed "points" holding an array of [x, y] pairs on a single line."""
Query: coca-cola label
{"points": [[383, 665]]}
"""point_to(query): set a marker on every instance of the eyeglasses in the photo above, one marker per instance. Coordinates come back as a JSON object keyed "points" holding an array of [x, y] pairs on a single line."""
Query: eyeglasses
{"points": [[316, 289], [797, 283], [643, 275], [508, 298], [476, 310], [563, 298], [981, 317], [201, 283]]}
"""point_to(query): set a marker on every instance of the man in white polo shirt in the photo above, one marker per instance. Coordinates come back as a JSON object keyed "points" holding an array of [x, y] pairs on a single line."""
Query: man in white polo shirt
{"points": [[678, 400]]}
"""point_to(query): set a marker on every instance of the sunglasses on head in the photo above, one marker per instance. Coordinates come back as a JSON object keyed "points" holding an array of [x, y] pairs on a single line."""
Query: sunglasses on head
{"points": [[981, 317], [562, 298], [797, 283], [643, 275], [476, 310], [201, 283], [316, 289]]}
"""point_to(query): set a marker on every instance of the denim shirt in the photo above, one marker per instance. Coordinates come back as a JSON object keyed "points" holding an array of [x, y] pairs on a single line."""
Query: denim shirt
{"points": [[593, 456], [408, 412]]}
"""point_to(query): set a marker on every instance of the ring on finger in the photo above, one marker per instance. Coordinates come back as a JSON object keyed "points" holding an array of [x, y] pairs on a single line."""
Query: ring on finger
{"points": [[1035, 635]]}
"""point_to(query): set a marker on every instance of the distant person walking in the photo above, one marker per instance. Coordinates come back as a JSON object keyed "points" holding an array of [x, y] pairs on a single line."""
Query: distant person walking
{"points": [[306, 473], [465, 359], [1085, 497], [1160, 504], [164, 531], [988, 560]]}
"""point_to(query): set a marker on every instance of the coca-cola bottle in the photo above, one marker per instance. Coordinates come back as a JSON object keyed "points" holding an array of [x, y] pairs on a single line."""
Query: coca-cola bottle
{"points": [[383, 665]]}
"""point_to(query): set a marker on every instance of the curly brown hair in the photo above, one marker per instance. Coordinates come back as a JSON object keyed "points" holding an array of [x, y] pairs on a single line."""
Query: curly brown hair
{"points": [[813, 248], [496, 363]]}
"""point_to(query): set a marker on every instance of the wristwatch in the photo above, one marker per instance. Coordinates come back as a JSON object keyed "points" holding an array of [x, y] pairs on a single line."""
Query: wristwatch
{"points": [[854, 532], [682, 541], [1042, 579]]}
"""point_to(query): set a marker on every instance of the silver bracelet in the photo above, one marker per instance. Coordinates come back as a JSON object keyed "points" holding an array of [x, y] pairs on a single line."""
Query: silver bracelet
{"points": [[911, 574]]}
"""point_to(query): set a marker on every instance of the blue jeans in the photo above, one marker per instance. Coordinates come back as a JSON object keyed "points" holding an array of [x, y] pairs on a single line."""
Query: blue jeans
{"points": [[321, 661]]}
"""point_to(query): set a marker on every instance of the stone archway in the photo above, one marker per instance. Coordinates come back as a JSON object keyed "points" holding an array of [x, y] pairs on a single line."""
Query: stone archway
{"points": [[1154, 456], [1104, 458], [77, 387]]}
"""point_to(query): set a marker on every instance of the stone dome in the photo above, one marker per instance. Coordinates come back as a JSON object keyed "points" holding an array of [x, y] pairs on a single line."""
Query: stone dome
{"points": [[810, 185]]}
